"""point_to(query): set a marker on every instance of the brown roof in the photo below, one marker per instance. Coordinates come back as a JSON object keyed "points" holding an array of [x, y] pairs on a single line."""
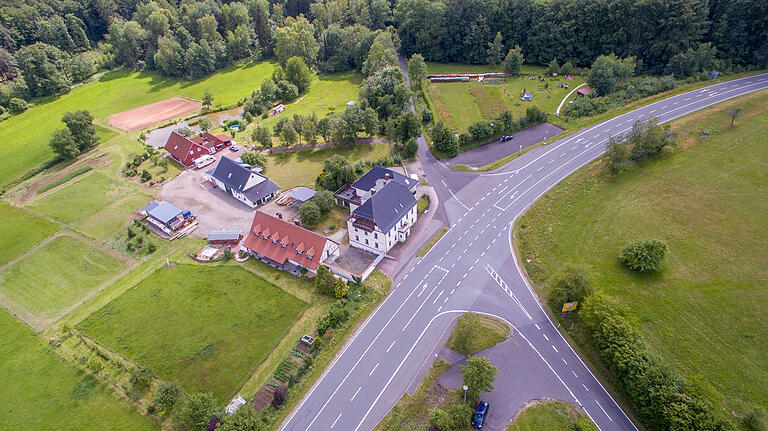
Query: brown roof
{"points": [[280, 240], [183, 149]]}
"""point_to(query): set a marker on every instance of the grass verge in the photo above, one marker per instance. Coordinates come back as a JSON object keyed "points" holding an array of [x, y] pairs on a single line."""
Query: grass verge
{"points": [[432, 241], [551, 415], [491, 332], [703, 312]]}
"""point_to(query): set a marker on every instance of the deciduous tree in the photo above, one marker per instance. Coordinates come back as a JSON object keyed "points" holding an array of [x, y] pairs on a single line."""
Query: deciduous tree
{"points": [[479, 375]]}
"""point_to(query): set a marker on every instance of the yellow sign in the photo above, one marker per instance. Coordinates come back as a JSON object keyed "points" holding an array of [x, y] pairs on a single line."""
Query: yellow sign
{"points": [[570, 306]]}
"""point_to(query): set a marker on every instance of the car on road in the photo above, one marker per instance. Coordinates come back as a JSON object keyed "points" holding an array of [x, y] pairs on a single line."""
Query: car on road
{"points": [[480, 414], [234, 147], [506, 138], [204, 161]]}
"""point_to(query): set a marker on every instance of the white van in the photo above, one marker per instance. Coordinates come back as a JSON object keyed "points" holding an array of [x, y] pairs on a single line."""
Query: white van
{"points": [[204, 161]]}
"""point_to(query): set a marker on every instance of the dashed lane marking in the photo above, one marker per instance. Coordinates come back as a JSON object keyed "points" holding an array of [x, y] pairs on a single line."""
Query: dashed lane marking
{"points": [[555, 348], [564, 361], [390, 346], [356, 392], [545, 337], [374, 369], [574, 374], [337, 419], [604, 412], [585, 387]]}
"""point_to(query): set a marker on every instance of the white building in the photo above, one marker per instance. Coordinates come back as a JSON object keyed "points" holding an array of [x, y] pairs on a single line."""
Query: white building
{"points": [[381, 215]]}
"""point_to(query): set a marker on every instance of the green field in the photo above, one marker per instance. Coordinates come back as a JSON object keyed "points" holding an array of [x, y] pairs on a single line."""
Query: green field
{"points": [[705, 312], [206, 326], [56, 275], [461, 104], [295, 168], [93, 203], [21, 230], [40, 391], [550, 416], [114, 92], [491, 332]]}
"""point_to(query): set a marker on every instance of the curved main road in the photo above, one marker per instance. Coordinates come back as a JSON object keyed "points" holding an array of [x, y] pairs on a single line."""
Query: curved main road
{"points": [[473, 267]]}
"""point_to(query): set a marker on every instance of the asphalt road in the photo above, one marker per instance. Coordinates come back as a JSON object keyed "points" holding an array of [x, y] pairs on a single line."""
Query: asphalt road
{"points": [[473, 267]]}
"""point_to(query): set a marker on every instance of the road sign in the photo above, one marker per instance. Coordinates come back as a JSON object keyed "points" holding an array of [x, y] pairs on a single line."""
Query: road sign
{"points": [[570, 306]]}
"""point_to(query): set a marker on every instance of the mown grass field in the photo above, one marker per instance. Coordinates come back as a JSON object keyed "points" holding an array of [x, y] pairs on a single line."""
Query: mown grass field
{"points": [[56, 275], [40, 391], [114, 92], [94, 203], [21, 230], [461, 104], [296, 168], [705, 312], [552, 415], [206, 326]]}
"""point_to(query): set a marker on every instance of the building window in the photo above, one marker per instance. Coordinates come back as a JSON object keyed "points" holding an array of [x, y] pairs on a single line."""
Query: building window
{"points": [[357, 237], [375, 235], [366, 242], [377, 245]]}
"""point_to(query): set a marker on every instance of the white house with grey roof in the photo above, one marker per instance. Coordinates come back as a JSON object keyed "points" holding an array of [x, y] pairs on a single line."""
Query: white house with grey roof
{"points": [[244, 184], [385, 213]]}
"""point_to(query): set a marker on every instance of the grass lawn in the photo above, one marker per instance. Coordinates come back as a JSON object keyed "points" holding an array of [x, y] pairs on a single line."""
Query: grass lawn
{"points": [[334, 220], [549, 415], [222, 322], [422, 204], [300, 168], [328, 93], [21, 230], [94, 203], [53, 277], [114, 92], [492, 331], [41, 391], [704, 313], [461, 104]]}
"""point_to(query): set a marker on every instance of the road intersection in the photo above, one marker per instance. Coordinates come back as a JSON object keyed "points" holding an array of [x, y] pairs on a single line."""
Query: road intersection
{"points": [[474, 267]]}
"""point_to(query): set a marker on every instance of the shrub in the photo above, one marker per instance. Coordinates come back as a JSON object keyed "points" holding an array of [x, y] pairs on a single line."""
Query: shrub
{"points": [[17, 106], [227, 255], [198, 410], [571, 284], [644, 256], [755, 421], [166, 396], [279, 397], [141, 377], [309, 213], [410, 148], [145, 176], [324, 281], [324, 200]]}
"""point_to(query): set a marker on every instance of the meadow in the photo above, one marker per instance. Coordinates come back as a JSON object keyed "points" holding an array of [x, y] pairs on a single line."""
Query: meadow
{"points": [[206, 326], [704, 313], [42, 391], [461, 104], [93, 203], [53, 277], [551, 415], [21, 230], [111, 93], [295, 168]]}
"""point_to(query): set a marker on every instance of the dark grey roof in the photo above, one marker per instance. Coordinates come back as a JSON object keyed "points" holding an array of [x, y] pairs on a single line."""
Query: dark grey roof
{"points": [[164, 212], [387, 206], [232, 174], [224, 235], [368, 181], [262, 190]]}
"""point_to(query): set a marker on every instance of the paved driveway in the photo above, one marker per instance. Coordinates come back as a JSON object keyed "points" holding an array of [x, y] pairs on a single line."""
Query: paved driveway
{"points": [[215, 209], [496, 150]]}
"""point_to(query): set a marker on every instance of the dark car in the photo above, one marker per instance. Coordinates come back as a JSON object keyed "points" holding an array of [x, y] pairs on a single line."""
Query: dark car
{"points": [[506, 138], [480, 413]]}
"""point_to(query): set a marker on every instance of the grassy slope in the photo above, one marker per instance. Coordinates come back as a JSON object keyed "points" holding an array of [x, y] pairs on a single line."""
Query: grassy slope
{"points": [[41, 391], [114, 92], [294, 168], [20, 230], [705, 311], [223, 322], [54, 276], [492, 332], [94, 203], [553, 416]]}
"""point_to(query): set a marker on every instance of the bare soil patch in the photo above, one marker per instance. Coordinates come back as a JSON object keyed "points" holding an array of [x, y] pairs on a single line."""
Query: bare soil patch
{"points": [[143, 116]]}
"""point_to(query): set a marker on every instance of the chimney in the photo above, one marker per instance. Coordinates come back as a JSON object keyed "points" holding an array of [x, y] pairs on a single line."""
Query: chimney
{"points": [[373, 191]]}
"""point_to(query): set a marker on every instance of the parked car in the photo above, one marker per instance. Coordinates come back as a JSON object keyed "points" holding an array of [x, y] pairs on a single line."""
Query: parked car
{"points": [[506, 138], [204, 161], [234, 147], [480, 414]]}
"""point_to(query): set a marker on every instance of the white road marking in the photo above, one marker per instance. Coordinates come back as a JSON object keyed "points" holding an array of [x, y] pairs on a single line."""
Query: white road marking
{"points": [[564, 361], [390, 346], [374, 369], [574, 374], [585, 387], [454, 196], [545, 337], [419, 309], [470, 268], [537, 326], [601, 408], [555, 348], [438, 296], [337, 419], [356, 392], [497, 278], [453, 290]]}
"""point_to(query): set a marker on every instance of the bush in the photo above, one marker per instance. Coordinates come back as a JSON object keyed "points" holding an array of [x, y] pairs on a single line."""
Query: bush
{"points": [[142, 377], [571, 284], [755, 421], [145, 176], [166, 396], [309, 213], [324, 281], [467, 326], [410, 149], [644, 256], [324, 200], [197, 411], [279, 397], [337, 314], [17, 106]]}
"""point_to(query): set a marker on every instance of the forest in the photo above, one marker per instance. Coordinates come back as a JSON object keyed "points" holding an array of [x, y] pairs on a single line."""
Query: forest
{"points": [[47, 46]]}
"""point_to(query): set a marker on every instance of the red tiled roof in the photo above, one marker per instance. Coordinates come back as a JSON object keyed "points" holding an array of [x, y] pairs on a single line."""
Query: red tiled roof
{"points": [[223, 137], [291, 240], [184, 150]]}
